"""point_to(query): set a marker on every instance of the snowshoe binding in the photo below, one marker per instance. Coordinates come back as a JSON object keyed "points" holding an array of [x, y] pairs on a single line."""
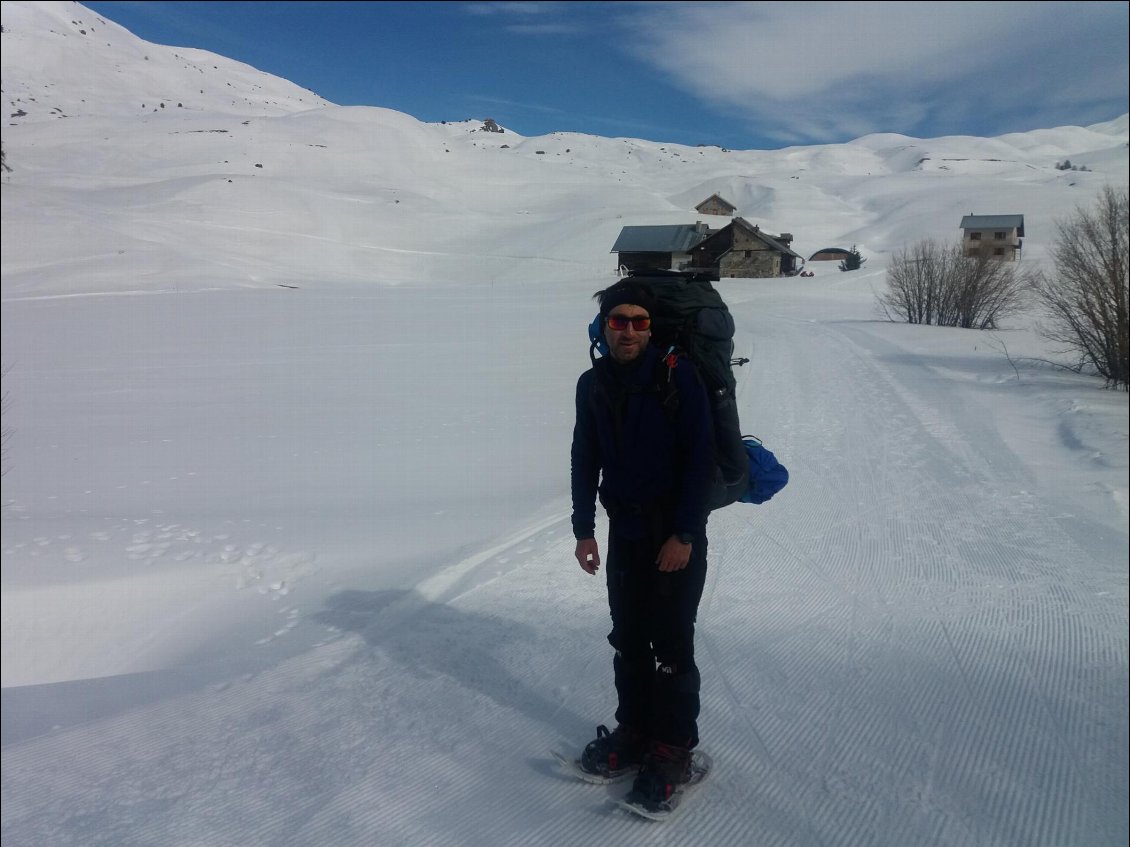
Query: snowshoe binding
{"points": [[610, 757], [667, 774]]}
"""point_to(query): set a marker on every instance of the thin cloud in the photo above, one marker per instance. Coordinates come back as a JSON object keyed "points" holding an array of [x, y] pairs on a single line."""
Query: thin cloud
{"points": [[826, 71], [513, 9], [499, 101], [539, 19], [544, 29]]}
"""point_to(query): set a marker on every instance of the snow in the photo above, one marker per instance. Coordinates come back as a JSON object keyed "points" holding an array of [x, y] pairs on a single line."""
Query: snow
{"points": [[286, 550]]}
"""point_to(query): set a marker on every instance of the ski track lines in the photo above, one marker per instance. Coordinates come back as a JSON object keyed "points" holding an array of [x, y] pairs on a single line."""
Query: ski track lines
{"points": [[885, 676], [373, 737], [874, 674]]}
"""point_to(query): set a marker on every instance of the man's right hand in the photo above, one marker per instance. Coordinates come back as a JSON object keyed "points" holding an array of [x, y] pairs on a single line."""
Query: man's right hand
{"points": [[588, 555]]}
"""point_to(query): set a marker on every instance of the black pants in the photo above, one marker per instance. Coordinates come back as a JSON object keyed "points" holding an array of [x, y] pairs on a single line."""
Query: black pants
{"points": [[653, 617]]}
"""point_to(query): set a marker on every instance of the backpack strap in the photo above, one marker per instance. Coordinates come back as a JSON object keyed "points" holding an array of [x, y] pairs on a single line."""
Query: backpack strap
{"points": [[608, 394], [666, 383]]}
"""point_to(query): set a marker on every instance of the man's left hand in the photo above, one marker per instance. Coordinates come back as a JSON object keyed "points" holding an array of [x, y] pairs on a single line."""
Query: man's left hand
{"points": [[673, 555]]}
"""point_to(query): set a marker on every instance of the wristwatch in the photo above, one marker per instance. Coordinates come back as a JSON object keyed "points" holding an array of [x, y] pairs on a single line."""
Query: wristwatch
{"points": [[685, 537]]}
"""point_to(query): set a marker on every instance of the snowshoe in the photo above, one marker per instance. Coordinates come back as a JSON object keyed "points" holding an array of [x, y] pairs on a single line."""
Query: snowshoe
{"points": [[665, 779], [610, 757]]}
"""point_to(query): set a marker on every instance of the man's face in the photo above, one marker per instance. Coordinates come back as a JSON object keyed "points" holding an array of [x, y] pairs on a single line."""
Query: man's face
{"points": [[625, 341]]}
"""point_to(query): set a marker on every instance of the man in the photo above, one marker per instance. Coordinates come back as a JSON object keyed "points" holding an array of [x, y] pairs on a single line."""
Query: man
{"points": [[644, 433]]}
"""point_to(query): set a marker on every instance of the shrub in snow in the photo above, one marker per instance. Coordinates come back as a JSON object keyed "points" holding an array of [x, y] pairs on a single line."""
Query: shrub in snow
{"points": [[853, 262], [1085, 297], [932, 283]]}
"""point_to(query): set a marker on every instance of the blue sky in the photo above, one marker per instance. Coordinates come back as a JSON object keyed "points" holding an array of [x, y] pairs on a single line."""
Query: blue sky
{"points": [[740, 75]]}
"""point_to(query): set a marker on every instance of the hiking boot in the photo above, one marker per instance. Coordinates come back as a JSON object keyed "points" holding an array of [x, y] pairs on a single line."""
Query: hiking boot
{"points": [[612, 754], [665, 767]]}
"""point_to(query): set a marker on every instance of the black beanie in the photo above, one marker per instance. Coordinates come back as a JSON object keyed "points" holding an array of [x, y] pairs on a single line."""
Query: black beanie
{"points": [[625, 292]]}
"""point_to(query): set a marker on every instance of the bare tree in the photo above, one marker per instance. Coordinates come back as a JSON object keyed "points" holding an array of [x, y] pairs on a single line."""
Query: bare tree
{"points": [[985, 290], [1085, 297], [932, 283], [915, 284]]}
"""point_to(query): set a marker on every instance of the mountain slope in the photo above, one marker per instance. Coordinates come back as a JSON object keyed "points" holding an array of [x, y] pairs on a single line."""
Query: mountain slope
{"points": [[61, 60]]}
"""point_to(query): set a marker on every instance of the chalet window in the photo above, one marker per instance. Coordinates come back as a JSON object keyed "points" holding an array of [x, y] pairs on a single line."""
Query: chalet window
{"points": [[974, 236], [999, 236], [748, 253], [998, 251]]}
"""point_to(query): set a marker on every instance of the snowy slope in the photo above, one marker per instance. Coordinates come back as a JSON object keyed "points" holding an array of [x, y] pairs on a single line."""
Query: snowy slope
{"points": [[286, 551], [61, 60]]}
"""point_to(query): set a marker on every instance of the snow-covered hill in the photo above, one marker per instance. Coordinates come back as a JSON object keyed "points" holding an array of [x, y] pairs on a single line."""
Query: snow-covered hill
{"points": [[61, 60], [286, 551]]}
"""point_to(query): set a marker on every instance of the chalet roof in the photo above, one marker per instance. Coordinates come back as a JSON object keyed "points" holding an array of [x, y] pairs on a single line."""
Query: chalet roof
{"points": [[720, 199], [753, 230], [777, 245], [994, 222], [668, 238]]}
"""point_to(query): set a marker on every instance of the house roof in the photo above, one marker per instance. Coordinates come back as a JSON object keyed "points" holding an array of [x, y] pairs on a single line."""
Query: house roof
{"points": [[777, 245], [993, 222], [768, 239], [720, 199], [669, 238]]}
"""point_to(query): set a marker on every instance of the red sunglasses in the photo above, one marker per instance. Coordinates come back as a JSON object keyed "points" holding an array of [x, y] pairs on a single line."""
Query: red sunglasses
{"points": [[619, 323]]}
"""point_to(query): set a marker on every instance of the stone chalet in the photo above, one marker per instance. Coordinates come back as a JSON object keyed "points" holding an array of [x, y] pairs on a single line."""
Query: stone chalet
{"points": [[716, 205], [742, 250]]}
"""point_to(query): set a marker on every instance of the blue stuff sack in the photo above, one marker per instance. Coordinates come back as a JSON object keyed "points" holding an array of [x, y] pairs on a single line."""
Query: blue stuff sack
{"points": [[596, 336], [767, 476]]}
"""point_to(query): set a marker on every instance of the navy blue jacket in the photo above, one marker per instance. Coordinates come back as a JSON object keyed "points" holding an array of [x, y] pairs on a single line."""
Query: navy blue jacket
{"points": [[643, 459]]}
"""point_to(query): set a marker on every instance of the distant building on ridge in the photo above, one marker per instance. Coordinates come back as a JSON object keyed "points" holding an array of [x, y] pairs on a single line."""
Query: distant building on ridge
{"points": [[716, 205]]}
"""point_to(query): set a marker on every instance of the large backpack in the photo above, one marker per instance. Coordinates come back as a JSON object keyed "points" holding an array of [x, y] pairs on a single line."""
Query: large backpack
{"points": [[691, 318]]}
